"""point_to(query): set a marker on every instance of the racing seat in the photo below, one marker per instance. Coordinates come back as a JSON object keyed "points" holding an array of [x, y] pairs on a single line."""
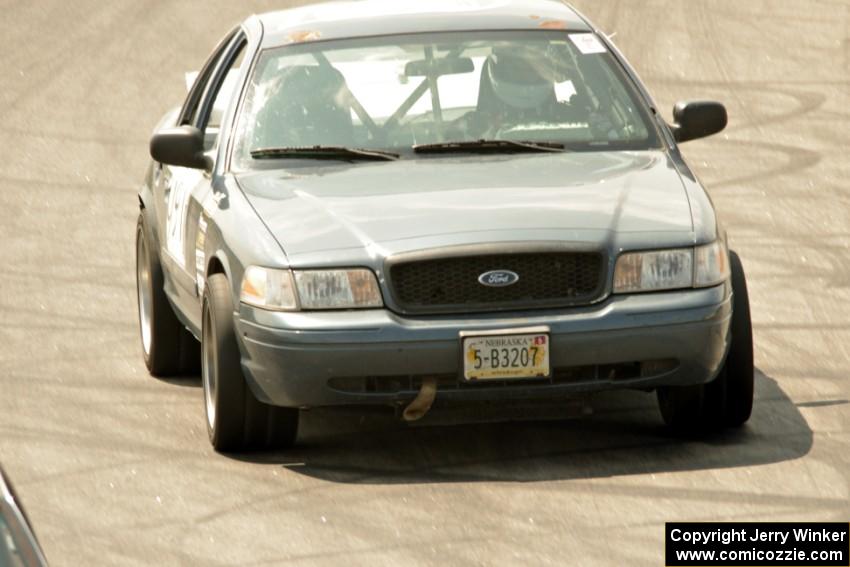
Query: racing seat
{"points": [[307, 107]]}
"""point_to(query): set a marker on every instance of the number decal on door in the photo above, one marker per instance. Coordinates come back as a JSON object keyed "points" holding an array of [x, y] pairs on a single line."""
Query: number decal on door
{"points": [[183, 180]]}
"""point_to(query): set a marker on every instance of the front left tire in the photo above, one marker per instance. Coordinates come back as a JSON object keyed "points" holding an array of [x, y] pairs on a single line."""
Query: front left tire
{"points": [[727, 401], [236, 420]]}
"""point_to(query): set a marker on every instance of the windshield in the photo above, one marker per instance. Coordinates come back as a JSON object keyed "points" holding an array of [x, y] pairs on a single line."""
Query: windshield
{"points": [[396, 92]]}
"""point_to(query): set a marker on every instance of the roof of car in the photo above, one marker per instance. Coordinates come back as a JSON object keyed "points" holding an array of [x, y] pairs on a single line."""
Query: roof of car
{"points": [[363, 18]]}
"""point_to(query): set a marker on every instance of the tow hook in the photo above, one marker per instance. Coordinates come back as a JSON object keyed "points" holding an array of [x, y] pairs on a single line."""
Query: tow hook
{"points": [[422, 402]]}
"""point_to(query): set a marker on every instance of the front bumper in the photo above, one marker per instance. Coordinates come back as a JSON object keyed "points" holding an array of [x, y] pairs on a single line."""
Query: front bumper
{"points": [[376, 356]]}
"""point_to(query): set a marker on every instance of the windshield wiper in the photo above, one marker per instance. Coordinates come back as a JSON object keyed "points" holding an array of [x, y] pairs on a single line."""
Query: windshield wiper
{"points": [[488, 146], [323, 152]]}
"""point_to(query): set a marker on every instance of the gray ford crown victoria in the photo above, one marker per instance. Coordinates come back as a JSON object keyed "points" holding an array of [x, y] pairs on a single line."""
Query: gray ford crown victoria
{"points": [[397, 203]]}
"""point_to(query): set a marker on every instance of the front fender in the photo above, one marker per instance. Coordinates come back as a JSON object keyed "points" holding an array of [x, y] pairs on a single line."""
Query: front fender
{"points": [[235, 237]]}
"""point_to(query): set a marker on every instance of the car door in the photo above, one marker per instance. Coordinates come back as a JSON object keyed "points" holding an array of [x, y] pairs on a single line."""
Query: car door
{"points": [[183, 189]]}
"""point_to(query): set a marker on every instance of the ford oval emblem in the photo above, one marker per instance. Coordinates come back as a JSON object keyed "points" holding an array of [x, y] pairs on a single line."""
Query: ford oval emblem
{"points": [[498, 278]]}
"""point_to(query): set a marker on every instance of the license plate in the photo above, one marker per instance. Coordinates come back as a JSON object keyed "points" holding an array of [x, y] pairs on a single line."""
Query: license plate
{"points": [[505, 355]]}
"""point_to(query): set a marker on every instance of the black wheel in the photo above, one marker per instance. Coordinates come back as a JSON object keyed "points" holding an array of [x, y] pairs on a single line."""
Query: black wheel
{"points": [[727, 401], [160, 331], [739, 370], [681, 406], [168, 348], [236, 420]]}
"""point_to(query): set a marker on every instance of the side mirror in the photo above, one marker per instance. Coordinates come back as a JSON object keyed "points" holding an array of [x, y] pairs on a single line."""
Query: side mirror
{"points": [[698, 119], [182, 146]]}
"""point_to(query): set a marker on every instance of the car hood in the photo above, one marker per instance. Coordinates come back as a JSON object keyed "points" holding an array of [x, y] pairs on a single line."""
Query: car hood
{"points": [[392, 207]]}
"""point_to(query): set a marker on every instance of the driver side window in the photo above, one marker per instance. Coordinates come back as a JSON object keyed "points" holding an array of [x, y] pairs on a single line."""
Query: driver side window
{"points": [[214, 88], [191, 105], [219, 92], [223, 92]]}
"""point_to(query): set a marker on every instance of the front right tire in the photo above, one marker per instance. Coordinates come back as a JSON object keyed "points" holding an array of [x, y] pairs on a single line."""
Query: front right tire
{"points": [[236, 420]]}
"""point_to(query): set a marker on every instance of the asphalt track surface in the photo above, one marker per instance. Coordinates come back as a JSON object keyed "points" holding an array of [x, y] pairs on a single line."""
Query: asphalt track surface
{"points": [[114, 466]]}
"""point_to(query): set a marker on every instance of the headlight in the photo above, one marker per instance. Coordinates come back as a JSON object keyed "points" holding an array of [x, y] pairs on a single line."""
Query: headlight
{"points": [[654, 271], [285, 290], [338, 289], [711, 264], [702, 266], [269, 289]]}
